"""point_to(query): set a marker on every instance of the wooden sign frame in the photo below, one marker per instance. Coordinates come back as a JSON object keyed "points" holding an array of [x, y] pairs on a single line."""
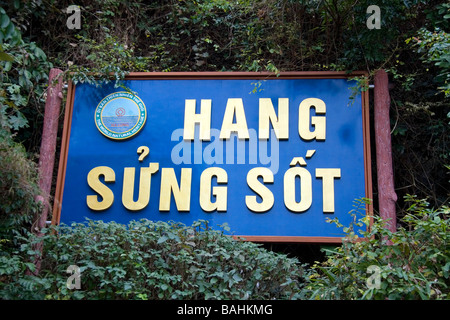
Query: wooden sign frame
{"points": [[230, 76]]}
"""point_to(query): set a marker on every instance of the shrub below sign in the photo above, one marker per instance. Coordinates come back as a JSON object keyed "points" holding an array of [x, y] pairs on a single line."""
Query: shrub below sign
{"points": [[153, 260]]}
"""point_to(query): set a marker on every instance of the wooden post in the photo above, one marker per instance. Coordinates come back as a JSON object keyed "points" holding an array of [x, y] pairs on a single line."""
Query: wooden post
{"points": [[47, 153], [386, 192]]}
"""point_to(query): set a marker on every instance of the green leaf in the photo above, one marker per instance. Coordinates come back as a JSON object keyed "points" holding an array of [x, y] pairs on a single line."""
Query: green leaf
{"points": [[27, 74], [162, 239], [18, 121], [5, 21], [237, 277], [31, 266], [8, 66]]}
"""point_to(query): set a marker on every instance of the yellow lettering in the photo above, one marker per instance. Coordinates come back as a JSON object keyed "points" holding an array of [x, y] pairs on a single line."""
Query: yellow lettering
{"points": [[328, 176], [181, 193], [266, 195], [267, 114], [143, 151], [203, 118], [235, 107], [220, 193], [319, 123], [290, 188], [144, 187], [93, 180]]}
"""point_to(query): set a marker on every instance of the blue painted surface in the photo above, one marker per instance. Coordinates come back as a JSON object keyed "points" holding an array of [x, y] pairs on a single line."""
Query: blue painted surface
{"points": [[165, 102]]}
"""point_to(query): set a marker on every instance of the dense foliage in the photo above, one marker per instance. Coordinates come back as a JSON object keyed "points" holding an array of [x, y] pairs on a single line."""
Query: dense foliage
{"points": [[18, 186], [410, 264], [23, 71], [148, 260], [117, 37]]}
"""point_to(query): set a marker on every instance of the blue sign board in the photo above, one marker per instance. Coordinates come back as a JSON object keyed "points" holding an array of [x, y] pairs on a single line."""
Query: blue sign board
{"points": [[273, 157]]}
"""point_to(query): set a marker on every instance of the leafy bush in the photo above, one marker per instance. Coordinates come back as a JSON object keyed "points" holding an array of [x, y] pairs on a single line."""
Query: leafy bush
{"points": [[18, 188], [151, 260], [23, 77], [23, 80], [435, 47], [411, 263]]}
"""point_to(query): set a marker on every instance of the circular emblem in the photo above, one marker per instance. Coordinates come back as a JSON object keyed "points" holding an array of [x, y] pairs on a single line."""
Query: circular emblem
{"points": [[120, 115]]}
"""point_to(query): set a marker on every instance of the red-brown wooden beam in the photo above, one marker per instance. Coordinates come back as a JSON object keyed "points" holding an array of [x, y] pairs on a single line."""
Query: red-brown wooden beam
{"points": [[385, 174], [47, 152]]}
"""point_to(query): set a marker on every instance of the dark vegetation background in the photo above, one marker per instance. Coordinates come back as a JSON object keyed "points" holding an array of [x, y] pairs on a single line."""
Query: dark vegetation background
{"points": [[412, 45]]}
